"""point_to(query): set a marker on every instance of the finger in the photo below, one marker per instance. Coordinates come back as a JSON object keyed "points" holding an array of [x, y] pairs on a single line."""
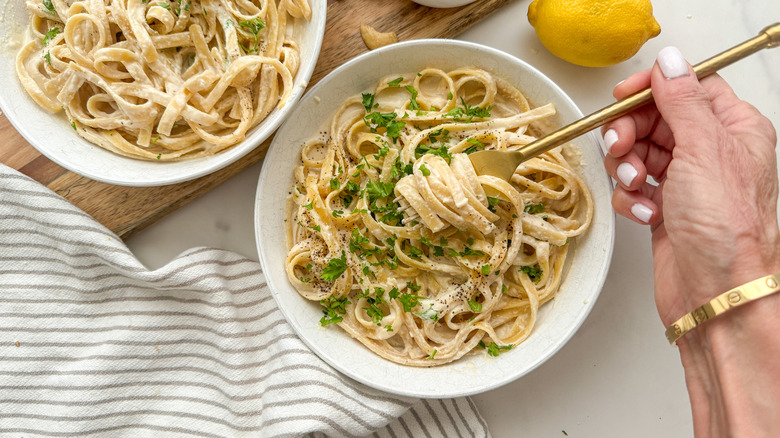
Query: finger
{"points": [[629, 170], [632, 169], [685, 104], [637, 205], [646, 157], [621, 134], [632, 84]]}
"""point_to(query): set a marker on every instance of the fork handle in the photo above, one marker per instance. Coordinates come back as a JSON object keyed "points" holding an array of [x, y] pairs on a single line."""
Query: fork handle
{"points": [[767, 38]]}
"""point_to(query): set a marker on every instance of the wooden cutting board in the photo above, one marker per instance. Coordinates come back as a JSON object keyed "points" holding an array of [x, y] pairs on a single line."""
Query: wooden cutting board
{"points": [[126, 210]]}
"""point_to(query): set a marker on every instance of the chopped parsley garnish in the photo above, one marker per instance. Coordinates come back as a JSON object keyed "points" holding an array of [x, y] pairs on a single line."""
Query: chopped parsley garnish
{"points": [[395, 82], [310, 205], [485, 269], [382, 152], [441, 151], [47, 57], [378, 190], [49, 6], [432, 355], [316, 228], [186, 8], [375, 313], [476, 145], [53, 32], [470, 252], [494, 349], [413, 100], [352, 187], [73, 125], [376, 120], [254, 26], [532, 208], [492, 202], [425, 171], [468, 112], [333, 308], [534, 272], [433, 137], [415, 252], [357, 241], [164, 5], [373, 309], [393, 293], [430, 314], [334, 184], [368, 272], [409, 301], [334, 268], [475, 306], [368, 101]]}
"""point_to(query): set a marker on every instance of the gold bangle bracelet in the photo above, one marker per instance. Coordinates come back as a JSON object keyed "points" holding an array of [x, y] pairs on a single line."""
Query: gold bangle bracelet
{"points": [[734, 298]]}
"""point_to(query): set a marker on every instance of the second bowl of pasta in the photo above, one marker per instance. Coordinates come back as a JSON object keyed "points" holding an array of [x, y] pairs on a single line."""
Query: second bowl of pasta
{"points": [[398, 264], [154, 93]]}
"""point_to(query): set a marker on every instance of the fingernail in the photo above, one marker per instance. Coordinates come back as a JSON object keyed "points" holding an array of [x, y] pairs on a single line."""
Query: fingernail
{"points": [[626, 173], [641, 212], [610, 138], [672, 63]]}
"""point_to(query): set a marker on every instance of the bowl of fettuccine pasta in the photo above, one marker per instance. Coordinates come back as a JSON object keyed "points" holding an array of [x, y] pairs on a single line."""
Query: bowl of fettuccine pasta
{"points": [[393, 259], [150, 93]]}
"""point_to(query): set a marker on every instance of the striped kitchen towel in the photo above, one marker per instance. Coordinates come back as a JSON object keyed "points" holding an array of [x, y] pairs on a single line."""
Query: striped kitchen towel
{"points": [[92, 343]]}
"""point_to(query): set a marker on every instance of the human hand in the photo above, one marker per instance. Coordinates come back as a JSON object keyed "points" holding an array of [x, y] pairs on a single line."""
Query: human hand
{"points": [[713, 213]]}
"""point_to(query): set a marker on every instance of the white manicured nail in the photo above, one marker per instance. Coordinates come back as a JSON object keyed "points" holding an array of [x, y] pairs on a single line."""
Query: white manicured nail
{"points": [[610, 138], [626, 173], [641, 212], [672, 63]]}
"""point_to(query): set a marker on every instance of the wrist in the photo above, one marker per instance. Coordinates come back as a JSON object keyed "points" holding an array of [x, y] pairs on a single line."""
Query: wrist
{"points": [[731, 370]]}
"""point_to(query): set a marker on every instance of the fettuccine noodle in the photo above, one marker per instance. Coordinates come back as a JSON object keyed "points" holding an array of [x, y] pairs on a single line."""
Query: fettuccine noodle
{"points": [[161, 79], [393, 232]]}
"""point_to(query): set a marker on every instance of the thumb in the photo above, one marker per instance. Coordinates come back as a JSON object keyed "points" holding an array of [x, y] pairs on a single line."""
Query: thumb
{"points": [[682, 101]]}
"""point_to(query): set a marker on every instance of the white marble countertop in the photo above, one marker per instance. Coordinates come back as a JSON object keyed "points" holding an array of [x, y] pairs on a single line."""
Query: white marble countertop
{"points": [[617, 375]]}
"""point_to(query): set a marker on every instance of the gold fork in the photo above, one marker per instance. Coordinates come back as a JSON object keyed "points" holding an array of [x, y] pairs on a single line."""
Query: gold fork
{"points": [[503, 164]]}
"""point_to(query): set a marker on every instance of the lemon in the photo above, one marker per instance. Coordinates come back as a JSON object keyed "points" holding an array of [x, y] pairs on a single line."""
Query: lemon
{"points": [[593, 33]]}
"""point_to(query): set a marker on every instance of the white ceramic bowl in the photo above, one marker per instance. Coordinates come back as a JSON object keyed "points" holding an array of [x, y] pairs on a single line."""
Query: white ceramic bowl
{"points": [[474, 373], [53, 136]]}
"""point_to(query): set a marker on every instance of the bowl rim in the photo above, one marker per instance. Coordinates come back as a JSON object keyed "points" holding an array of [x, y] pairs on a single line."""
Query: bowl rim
{"points": [[271, 280], [214, 163]]}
